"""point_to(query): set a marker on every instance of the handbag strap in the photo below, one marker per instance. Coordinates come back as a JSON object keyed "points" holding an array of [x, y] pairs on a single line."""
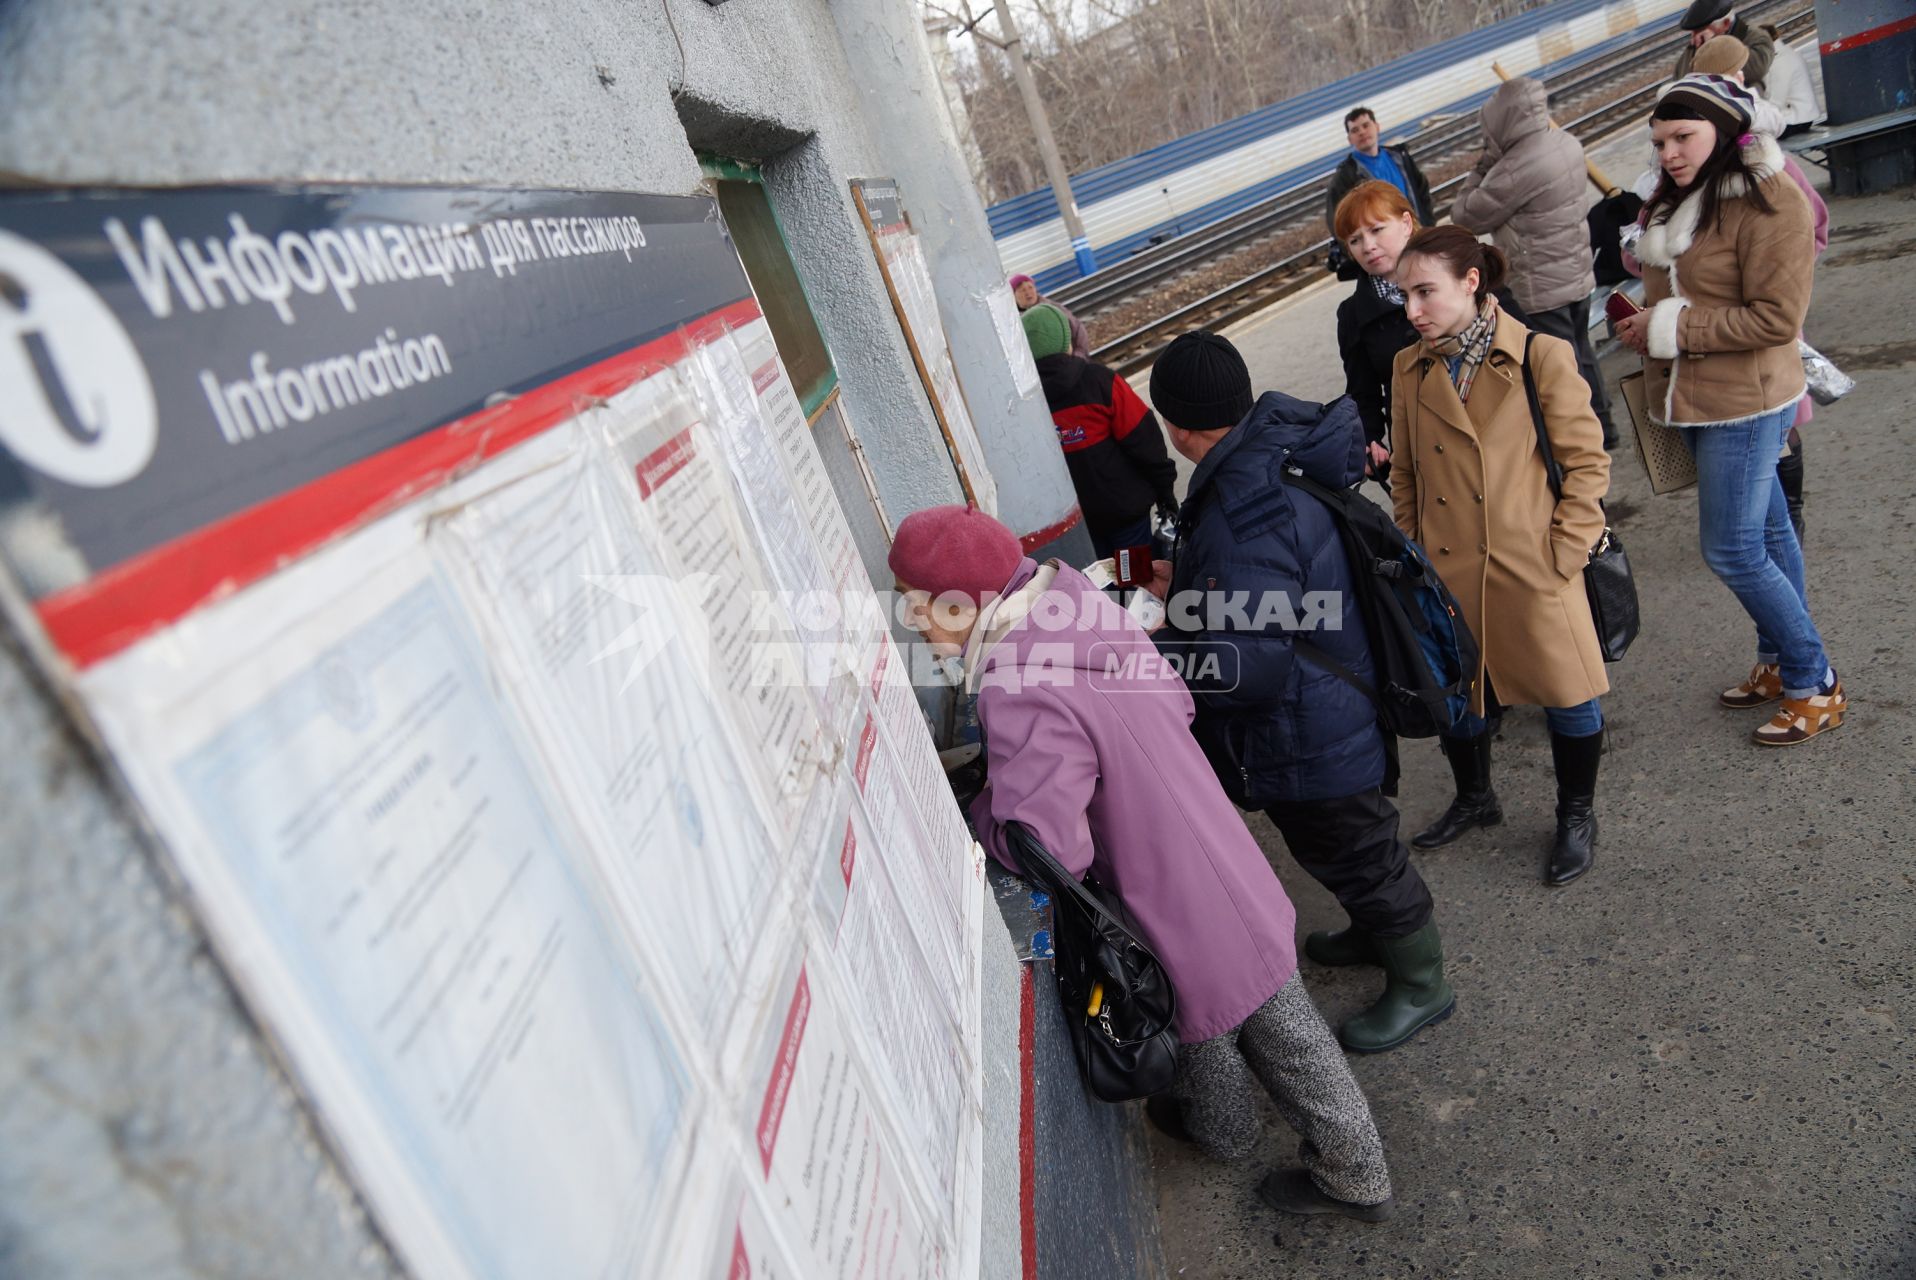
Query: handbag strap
{"points": [[1550, 467], [1025, 844]]}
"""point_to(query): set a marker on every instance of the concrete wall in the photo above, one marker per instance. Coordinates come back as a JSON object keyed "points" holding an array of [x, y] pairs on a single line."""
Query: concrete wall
{"points": [[144, 1127], [593, 95], [144, 1133], [892, 66]]}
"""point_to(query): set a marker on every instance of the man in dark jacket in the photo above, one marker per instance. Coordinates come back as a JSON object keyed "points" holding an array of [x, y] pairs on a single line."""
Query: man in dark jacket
{"points": [[1707, 18], [1257, 560], [1366, 160], [1111, 442]]}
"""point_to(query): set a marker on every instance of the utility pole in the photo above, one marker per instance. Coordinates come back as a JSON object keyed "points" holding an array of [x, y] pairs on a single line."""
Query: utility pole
{"points": [[1013, 45]]}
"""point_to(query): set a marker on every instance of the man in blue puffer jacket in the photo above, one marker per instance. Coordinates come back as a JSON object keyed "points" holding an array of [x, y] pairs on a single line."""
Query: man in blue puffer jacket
{"points": [[1258, 560]]}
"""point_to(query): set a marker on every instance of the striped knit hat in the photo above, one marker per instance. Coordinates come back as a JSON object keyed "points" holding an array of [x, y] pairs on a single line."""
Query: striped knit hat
{"points": [[1724, 103]]}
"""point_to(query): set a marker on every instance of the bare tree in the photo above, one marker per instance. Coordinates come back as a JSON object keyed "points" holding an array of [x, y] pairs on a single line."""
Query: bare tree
{"points": [[1120, 76]]}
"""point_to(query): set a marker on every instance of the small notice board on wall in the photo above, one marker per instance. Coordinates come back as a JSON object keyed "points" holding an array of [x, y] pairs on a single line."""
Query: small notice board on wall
{"points": [[901, 260]]}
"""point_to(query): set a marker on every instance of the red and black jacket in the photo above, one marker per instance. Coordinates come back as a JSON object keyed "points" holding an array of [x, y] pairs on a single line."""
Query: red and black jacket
{"points": [[1111, 441]]}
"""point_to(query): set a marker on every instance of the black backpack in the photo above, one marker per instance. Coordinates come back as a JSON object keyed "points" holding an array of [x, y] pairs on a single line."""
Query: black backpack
{"points": [[1422, 652]]}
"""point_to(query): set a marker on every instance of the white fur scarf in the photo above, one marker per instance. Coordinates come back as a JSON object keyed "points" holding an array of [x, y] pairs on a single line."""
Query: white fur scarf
{"points": [[1663, 242]]}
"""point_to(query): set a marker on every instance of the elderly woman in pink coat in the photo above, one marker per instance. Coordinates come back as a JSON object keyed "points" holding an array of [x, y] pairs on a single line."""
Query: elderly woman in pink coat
{"points": [[1088, 743]]}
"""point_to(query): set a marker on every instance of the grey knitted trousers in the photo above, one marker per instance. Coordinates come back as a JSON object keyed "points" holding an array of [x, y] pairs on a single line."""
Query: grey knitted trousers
{"points": [[1286, 1046]]}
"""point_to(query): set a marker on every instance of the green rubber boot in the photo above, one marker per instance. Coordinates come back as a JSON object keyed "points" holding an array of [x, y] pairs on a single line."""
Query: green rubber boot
{"points": [[1347, 946], [1415, 993]]}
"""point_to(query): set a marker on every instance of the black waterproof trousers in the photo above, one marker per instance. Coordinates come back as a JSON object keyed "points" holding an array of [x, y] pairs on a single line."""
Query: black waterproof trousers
{"points": [[1351, 847]]}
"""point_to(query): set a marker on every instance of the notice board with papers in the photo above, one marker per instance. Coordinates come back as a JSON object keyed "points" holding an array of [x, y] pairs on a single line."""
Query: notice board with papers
{"points": [[907, 276], [453, 581]]}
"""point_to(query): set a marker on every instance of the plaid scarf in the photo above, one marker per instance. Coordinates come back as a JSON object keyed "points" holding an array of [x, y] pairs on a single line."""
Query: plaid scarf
{"points": [[1387, 290], [1464, 352]]}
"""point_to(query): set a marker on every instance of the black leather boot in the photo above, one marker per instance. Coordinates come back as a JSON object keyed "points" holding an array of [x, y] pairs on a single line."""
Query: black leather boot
{"points": [[1575, 845], [1790, 471], [1476, 804]]}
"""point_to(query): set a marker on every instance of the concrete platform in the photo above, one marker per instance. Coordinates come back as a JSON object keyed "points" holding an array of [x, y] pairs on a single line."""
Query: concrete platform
{"points": [[1698, 1060]]}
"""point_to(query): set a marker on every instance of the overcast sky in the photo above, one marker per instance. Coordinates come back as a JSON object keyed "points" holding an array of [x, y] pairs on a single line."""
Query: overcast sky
{"points": [[1079, 16]]}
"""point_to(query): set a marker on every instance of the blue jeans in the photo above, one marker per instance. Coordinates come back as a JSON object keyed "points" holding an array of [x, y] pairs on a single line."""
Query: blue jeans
{"points": [[1743, 524], [1135, 534]]}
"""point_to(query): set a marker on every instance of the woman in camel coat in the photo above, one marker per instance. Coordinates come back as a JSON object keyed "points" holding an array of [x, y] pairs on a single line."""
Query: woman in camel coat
{"points": [[1473, 491]]}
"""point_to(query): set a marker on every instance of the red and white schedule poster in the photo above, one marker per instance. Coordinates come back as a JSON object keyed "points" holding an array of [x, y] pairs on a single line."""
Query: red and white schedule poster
{"points": [[831, 1168]]}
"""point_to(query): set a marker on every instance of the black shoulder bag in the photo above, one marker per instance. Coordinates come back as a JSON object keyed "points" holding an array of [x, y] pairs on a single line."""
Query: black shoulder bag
{"points": [[1118, 1000], [1607, 578]]}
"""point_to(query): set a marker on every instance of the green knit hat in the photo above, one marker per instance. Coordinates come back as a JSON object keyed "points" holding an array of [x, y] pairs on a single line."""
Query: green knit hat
{"points": [[1046, 329]]}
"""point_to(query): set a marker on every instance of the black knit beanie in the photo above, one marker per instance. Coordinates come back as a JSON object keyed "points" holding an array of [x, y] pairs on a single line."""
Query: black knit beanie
{"points": [[1200, 383]]}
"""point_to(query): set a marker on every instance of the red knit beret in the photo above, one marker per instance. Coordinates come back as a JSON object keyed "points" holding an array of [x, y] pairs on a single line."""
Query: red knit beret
{"points": [[954, 548]]}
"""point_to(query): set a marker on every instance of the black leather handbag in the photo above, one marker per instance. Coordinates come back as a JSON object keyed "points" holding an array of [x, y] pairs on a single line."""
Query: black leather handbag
{"points": [[1118, 1000], [1607, 578]]}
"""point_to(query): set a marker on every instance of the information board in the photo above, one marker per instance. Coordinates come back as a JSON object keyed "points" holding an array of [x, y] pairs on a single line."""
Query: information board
{"points": [[454, 582]]}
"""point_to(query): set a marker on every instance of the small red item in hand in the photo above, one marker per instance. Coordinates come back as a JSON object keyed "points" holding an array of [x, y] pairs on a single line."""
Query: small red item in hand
{"points": [[1131, 566], [1619, 307]]}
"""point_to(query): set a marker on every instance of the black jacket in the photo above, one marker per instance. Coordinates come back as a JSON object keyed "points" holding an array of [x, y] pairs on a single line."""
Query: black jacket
{"points": [[1276, 728], [1347, 175], [1370, 332], [1111, 441]]}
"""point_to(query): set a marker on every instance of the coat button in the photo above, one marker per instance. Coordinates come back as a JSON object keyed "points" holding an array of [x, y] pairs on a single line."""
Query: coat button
{"points": [[1481, 548], [1443, 551], [1443, 502], [1479, 497], [1440, 448]]}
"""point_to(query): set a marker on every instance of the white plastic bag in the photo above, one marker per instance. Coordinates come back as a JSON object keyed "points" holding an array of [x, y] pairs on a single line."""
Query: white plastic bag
{"points": [[1827, 383]]}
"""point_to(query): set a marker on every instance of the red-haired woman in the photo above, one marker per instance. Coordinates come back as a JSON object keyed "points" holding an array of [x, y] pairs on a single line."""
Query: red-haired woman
{"points": [[1373, 223]]}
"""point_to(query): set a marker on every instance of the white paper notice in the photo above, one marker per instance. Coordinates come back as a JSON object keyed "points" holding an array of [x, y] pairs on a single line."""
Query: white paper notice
{"points": [[591, 648], [814, 487], [350, 809], [785, 416], [752, 1252], [687, 500], [907, 1017], [817, 595], [831, 1176], [1011, 336], [910, 736], [911, 281], [930, 888]]}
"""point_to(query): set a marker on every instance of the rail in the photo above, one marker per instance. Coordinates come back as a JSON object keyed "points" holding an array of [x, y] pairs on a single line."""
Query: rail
{"points": [[1136, 350]]}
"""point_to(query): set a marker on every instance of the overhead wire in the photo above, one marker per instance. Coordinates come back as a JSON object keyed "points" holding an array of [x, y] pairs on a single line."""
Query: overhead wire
{"points": [[672, 23]]}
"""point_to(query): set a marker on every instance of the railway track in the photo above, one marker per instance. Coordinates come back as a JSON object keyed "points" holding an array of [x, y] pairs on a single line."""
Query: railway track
{"points": [[1301, 208]]}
